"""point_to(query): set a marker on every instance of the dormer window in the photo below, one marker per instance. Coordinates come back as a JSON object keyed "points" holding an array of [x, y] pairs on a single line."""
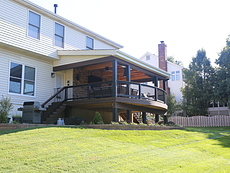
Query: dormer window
{"points": [[59, 35], [147, 57], [34, 25], [89, 43]]}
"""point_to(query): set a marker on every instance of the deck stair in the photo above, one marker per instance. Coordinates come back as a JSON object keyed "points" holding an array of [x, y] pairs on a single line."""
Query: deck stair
{"points": [[137, 119], [123, 116], [53, 112]]}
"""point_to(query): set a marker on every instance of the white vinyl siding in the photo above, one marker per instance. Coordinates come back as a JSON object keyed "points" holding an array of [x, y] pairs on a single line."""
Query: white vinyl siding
{"points": [[14, 31], [44, 84]]}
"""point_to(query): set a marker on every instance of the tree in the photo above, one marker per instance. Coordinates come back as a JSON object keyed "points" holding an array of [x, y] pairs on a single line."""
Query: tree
{"points": [[172, 59], [222, 85], [198, 90], [172, 104]]}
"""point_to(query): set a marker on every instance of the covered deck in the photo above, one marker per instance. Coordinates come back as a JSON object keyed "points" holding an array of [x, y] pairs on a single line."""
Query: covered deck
{"points": [[115, 83]]}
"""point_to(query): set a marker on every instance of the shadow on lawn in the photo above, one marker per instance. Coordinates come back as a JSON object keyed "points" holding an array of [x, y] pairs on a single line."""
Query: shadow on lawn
{"points": [[221, 134]]}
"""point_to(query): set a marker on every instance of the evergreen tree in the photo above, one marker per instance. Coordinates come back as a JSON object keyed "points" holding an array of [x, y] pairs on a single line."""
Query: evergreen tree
{"points": [[198, 90], [222, 85]]}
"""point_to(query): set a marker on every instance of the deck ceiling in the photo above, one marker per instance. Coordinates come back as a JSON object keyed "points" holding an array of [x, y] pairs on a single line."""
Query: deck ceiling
{"points": [[103, 58], [136, 75]]}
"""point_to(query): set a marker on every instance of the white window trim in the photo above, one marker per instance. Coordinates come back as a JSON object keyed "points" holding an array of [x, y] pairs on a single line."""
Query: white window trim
{"points": [[28, 18], [22, 87]]}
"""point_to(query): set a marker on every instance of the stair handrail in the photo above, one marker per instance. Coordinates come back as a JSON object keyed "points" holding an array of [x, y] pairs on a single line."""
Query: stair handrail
{"points": [[52, 110], [53, 96]]}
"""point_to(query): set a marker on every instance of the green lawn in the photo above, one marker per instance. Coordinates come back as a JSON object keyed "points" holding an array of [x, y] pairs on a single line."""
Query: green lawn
{"points": [[65, 149]]}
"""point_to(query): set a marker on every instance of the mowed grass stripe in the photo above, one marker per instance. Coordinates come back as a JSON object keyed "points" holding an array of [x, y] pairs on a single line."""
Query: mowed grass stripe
{"points": [[62, 149]]}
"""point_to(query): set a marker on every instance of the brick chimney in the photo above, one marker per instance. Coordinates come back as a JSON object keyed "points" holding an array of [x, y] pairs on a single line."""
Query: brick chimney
{"points": [[162, 55]]}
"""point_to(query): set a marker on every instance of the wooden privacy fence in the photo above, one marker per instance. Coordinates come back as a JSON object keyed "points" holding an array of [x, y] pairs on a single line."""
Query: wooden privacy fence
{"points": [[202, 121]]}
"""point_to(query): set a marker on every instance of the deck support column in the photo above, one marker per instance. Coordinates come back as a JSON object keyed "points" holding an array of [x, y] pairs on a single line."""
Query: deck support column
{"points": [[157, 118], [144, 117], [164, 88], [129, 116], [115, 114], [156, 89]]}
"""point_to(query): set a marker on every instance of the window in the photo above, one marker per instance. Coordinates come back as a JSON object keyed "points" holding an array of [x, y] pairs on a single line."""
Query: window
{"points": [[175, 75], [34, 25], [59, 35], [147, 57], [89, 43], [21, 75]]}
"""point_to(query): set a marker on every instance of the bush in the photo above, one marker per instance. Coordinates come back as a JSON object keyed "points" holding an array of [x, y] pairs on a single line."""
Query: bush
{"points": [[97, 119], [5, 107]]}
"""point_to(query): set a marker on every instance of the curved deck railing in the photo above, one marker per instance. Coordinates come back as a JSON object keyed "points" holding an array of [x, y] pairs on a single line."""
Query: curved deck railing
{"points": [[130, 90]]}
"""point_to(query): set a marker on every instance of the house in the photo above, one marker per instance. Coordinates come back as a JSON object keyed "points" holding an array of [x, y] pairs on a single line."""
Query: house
{"points": [[70, 70], [175, 83]]}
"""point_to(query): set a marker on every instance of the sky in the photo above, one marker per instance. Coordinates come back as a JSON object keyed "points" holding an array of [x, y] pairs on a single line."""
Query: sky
{"points": [[139, 25]]}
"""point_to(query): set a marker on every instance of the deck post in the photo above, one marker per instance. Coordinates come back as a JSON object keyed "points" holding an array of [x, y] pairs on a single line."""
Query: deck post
{"points": [[164, 88], [129, 118], [66, 93], [144, 117], [115, 114], [128, 78], [139, 96], [114, 78], [156, 87]]}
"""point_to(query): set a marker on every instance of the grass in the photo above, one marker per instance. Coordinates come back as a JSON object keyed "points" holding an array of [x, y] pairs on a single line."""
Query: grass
{"points": [[65, 149]]}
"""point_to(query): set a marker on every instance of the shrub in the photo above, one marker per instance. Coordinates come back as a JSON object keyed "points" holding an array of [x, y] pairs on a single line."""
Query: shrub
{"points": [[97, 119], [5, 107]]}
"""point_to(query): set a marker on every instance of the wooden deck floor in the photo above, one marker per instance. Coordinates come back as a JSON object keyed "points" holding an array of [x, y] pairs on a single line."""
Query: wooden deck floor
{"points": [[107, 104]]}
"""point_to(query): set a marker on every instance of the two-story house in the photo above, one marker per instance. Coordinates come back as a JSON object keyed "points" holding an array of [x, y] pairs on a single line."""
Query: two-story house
{"points": [[175, 83], [71, 70]]}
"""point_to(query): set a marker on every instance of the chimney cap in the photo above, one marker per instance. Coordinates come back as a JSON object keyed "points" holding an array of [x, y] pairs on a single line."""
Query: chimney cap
{"points": [[162, 41], [55, 5]]}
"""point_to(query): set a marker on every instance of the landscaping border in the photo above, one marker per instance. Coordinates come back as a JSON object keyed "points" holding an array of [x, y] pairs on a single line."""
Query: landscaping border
{"points": [[5, 126]]}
